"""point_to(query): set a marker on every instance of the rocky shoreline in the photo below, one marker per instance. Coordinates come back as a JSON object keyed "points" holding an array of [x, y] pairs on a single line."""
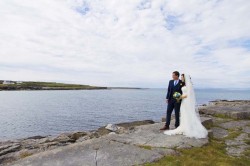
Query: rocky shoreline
{"points": [[13, 150], [33, 88], [227, 121]]}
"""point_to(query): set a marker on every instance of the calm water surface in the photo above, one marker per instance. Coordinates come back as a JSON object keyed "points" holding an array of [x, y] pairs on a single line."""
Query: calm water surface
{"points": [[29, 113]]}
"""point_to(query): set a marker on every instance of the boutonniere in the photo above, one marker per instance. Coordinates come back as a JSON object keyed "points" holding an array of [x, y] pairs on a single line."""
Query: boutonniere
{"points": [[180, 83]]}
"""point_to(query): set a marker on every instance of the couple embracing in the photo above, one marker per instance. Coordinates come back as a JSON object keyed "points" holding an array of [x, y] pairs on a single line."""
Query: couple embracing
{"points": [[181, 98]]}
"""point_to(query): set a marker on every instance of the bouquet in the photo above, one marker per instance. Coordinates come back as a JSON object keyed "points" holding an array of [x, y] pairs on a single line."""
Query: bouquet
{"points": [[177, 96]]}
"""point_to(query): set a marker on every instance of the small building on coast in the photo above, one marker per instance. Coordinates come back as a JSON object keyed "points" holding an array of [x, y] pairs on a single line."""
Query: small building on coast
{"points": [[8, 82]]}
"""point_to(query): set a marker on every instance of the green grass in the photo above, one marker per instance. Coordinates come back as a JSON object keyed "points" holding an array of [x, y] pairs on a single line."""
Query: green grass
{"points": [[146, 147], [232, 134], [212, 154], [25, 154], [223, 116]]}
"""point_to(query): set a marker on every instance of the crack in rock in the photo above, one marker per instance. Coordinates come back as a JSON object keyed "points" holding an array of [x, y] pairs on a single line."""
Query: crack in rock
{"points": [[149, 140], [96, 157]]}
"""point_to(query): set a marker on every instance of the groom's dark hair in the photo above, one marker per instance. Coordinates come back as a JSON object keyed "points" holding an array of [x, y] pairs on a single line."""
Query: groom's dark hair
{"points": [[177, 73]]}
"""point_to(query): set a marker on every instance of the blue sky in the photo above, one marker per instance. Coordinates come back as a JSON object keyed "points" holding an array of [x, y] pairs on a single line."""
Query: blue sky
{"points": [[135, 43]]}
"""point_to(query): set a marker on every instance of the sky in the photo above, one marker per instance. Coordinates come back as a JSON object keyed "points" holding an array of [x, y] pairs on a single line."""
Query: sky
{"points": [[131, 43]]}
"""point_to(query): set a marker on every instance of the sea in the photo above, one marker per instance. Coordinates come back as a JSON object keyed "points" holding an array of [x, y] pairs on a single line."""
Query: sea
{"points": [[51, 112]]}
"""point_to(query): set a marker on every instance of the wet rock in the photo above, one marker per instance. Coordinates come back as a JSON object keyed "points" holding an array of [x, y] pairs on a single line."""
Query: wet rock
{"points": [[36, 137]]}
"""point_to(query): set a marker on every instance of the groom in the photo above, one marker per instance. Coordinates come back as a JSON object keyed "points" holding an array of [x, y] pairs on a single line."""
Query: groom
{"points": [[173, 86]]}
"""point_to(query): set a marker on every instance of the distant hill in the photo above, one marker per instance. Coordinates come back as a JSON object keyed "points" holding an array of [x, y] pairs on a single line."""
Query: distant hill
{"points": [[18, 85], [126, 88]]}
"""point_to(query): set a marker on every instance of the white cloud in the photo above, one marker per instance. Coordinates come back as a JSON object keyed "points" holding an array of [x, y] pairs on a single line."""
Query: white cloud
{"points": [[126, 43]]}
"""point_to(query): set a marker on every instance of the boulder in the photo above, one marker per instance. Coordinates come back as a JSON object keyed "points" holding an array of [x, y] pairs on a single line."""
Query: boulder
{"points": [[112, 127]]}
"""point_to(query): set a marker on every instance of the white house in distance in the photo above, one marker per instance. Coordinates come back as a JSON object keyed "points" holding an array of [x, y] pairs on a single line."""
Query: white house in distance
{"points": [[8, 82]]}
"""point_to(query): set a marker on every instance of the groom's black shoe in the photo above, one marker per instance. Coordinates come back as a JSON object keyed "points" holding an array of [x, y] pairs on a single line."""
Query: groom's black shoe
{"points": [[165, 128]]}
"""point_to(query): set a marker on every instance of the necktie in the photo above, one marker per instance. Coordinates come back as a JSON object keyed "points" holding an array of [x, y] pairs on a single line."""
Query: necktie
{"points": [[175, 82]]}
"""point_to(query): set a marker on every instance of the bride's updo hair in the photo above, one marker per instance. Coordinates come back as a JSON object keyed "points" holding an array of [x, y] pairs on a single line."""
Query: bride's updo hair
{"points": [[184, 79]]}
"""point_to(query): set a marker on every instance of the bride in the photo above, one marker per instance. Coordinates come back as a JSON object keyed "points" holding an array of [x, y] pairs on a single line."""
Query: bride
{"points": [[190, 123]]}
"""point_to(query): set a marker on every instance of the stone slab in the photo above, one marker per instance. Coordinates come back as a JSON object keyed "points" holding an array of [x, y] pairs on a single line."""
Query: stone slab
{"points": [[91, 153]]}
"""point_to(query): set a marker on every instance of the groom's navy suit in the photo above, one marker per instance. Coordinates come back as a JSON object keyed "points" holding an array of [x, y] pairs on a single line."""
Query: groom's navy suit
{"points": [[172, 103]]}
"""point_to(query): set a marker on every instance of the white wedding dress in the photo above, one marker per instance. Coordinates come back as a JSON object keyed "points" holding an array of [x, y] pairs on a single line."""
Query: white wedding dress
{"points": [[190, 123]]}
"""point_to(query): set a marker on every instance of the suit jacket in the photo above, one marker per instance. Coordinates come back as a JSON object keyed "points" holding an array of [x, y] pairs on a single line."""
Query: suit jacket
{"points": [[172, 89]]}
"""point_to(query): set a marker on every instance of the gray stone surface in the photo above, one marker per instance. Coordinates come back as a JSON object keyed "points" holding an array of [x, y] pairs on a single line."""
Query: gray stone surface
{"points": [[115, 149], [242, 137], [91, 153], [235, 124], [150, 135], [4, 149], [236, 150], [231, 109], [237, 146], [217, 120], [246, 129], [112, 127], [219, 132]]}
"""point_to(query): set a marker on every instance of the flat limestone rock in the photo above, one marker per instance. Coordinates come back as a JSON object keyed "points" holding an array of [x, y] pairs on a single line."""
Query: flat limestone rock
{"points": [[91, 153], [236, 150], [246, 129], [233, 109], [150, 135], [115, 149], [219, 132], [141, 144], [237, 146], [235, 124]]}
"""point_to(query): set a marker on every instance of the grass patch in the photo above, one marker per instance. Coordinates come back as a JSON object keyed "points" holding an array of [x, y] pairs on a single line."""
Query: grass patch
{"points": [[25, 154], [232, 134], [247, 152], [222, 116], [145, 147], [247, 142], [208, 126], [212, 154]]}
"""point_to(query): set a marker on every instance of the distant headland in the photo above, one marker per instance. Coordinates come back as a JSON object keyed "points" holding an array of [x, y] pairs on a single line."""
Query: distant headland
{"points": [[8, 85], [32, 85]]}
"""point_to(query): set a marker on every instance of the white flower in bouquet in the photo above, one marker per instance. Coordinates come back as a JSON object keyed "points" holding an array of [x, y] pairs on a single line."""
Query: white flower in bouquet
{"points": [[177, 96]]}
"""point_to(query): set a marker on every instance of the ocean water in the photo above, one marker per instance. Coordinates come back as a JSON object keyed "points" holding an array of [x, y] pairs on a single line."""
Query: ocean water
{"points": [[29, 113]]}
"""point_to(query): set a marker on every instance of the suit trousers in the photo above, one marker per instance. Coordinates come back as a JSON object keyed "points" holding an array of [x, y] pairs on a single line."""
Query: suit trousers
{"points": [[173, 105]]}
